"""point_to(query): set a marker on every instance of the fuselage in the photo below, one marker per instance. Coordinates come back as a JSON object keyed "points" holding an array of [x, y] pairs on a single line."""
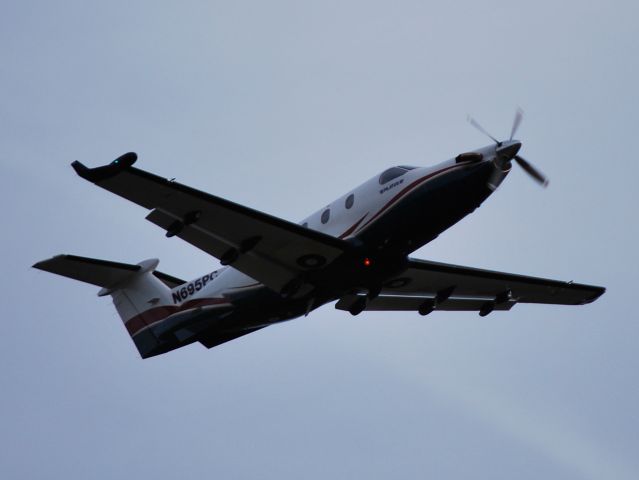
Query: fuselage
{"points": [[384, 219]]}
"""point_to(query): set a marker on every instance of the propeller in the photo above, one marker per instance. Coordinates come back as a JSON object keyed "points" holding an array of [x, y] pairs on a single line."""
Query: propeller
{"points": [[507, 150], [476, 124], [532, 171], [519, 115]]}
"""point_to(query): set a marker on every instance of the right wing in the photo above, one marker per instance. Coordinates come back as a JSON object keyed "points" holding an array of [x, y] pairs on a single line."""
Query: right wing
{"points": [[268, 249]]}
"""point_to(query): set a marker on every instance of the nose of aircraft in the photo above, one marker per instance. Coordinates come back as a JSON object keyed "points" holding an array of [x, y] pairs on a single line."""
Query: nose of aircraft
{"points": [[509, 149]]}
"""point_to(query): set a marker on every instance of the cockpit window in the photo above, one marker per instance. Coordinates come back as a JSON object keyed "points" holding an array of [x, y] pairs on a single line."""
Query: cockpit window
{"points": [[393, 173]]}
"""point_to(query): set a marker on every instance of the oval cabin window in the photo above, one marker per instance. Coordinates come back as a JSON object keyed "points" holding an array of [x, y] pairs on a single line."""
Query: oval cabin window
{"points": [[350, 200], [326, 214]]}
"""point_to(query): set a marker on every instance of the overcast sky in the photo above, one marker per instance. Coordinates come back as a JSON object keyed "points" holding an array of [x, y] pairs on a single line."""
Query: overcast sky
{"points": [[284, 106]]}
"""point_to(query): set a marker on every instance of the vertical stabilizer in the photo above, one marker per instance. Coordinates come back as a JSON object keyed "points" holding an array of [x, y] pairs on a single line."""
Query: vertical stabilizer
{"points": [[141, 301], [141, 295]]}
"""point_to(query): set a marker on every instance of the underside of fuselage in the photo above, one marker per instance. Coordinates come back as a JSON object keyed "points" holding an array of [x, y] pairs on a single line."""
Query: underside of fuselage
{"points": [[379, 252]]}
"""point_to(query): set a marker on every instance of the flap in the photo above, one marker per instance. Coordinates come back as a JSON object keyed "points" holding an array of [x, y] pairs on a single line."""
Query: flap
{"points": [[387, 303]]}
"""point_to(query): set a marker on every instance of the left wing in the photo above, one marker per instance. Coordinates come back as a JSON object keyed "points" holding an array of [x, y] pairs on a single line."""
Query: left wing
{"points": [[426, 276], [425, 286], [268, 249]]}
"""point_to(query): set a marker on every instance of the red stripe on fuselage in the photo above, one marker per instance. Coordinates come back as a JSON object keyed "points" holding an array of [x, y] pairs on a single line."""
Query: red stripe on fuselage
{"points": [[353, 227], [408, 189], [154, 315]]}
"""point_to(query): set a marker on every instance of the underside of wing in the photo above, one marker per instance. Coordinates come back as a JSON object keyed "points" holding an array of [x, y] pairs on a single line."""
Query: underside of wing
{"points": [[268, 249], [425, 276], [425, 286], [414, 303]]}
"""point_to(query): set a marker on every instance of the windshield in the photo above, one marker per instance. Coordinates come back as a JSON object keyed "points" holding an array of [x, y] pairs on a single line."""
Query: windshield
{"points": [[393, 173]]}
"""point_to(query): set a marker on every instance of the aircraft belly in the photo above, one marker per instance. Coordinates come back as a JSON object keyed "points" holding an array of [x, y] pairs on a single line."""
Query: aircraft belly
{"points": [[429, 210]]}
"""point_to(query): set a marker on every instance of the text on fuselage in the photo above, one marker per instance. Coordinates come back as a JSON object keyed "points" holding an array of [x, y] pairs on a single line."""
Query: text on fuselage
{"points": [[190, 288], [392, 185]]}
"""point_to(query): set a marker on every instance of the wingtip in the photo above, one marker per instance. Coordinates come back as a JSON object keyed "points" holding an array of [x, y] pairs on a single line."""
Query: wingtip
{"points": [[101, 173], [598, 292], [81, 169], [41, 265], [125, 160]]}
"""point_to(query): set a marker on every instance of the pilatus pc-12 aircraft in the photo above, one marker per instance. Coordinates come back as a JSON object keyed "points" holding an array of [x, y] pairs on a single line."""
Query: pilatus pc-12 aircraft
{"points": [[355, 250]]}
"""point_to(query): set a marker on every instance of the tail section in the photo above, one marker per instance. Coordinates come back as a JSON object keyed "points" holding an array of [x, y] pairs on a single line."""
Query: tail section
{"points": [[141, 295]]}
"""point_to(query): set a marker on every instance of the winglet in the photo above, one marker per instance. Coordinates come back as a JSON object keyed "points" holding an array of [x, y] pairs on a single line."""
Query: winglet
{"points": [[102, 173]]}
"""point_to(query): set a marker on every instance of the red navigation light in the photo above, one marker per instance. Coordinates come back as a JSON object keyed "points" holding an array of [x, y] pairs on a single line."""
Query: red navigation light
{"points": [[367, 262]]}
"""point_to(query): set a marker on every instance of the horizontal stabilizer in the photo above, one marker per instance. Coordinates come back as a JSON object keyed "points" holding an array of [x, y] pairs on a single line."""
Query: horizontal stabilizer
{"points": [[102, 273], [169, 280]]}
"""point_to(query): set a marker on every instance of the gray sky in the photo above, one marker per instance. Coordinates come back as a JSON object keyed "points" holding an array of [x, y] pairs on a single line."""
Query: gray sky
{"points": [[283, 106]]}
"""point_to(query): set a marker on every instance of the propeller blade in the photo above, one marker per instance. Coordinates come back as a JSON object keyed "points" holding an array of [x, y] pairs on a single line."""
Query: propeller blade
{"points": [[474, 123], [532, 171], [519, 115]]}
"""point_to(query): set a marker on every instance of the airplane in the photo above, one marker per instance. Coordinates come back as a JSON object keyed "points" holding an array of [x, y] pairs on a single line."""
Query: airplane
{"points": [[354, 251]]}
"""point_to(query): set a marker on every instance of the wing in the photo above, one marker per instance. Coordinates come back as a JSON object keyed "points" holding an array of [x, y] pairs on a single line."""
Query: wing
{"points": [[432, 277], [425, 286], [266, 248]]}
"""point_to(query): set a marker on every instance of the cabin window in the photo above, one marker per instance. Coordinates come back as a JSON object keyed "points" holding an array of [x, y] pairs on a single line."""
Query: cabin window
{"points": [[392, 173], [305, 224], [350, 200], [326, 215]]}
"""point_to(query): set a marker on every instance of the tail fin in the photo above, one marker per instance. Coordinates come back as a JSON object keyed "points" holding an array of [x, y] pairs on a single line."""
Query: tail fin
{"points": [[141, 295]]}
